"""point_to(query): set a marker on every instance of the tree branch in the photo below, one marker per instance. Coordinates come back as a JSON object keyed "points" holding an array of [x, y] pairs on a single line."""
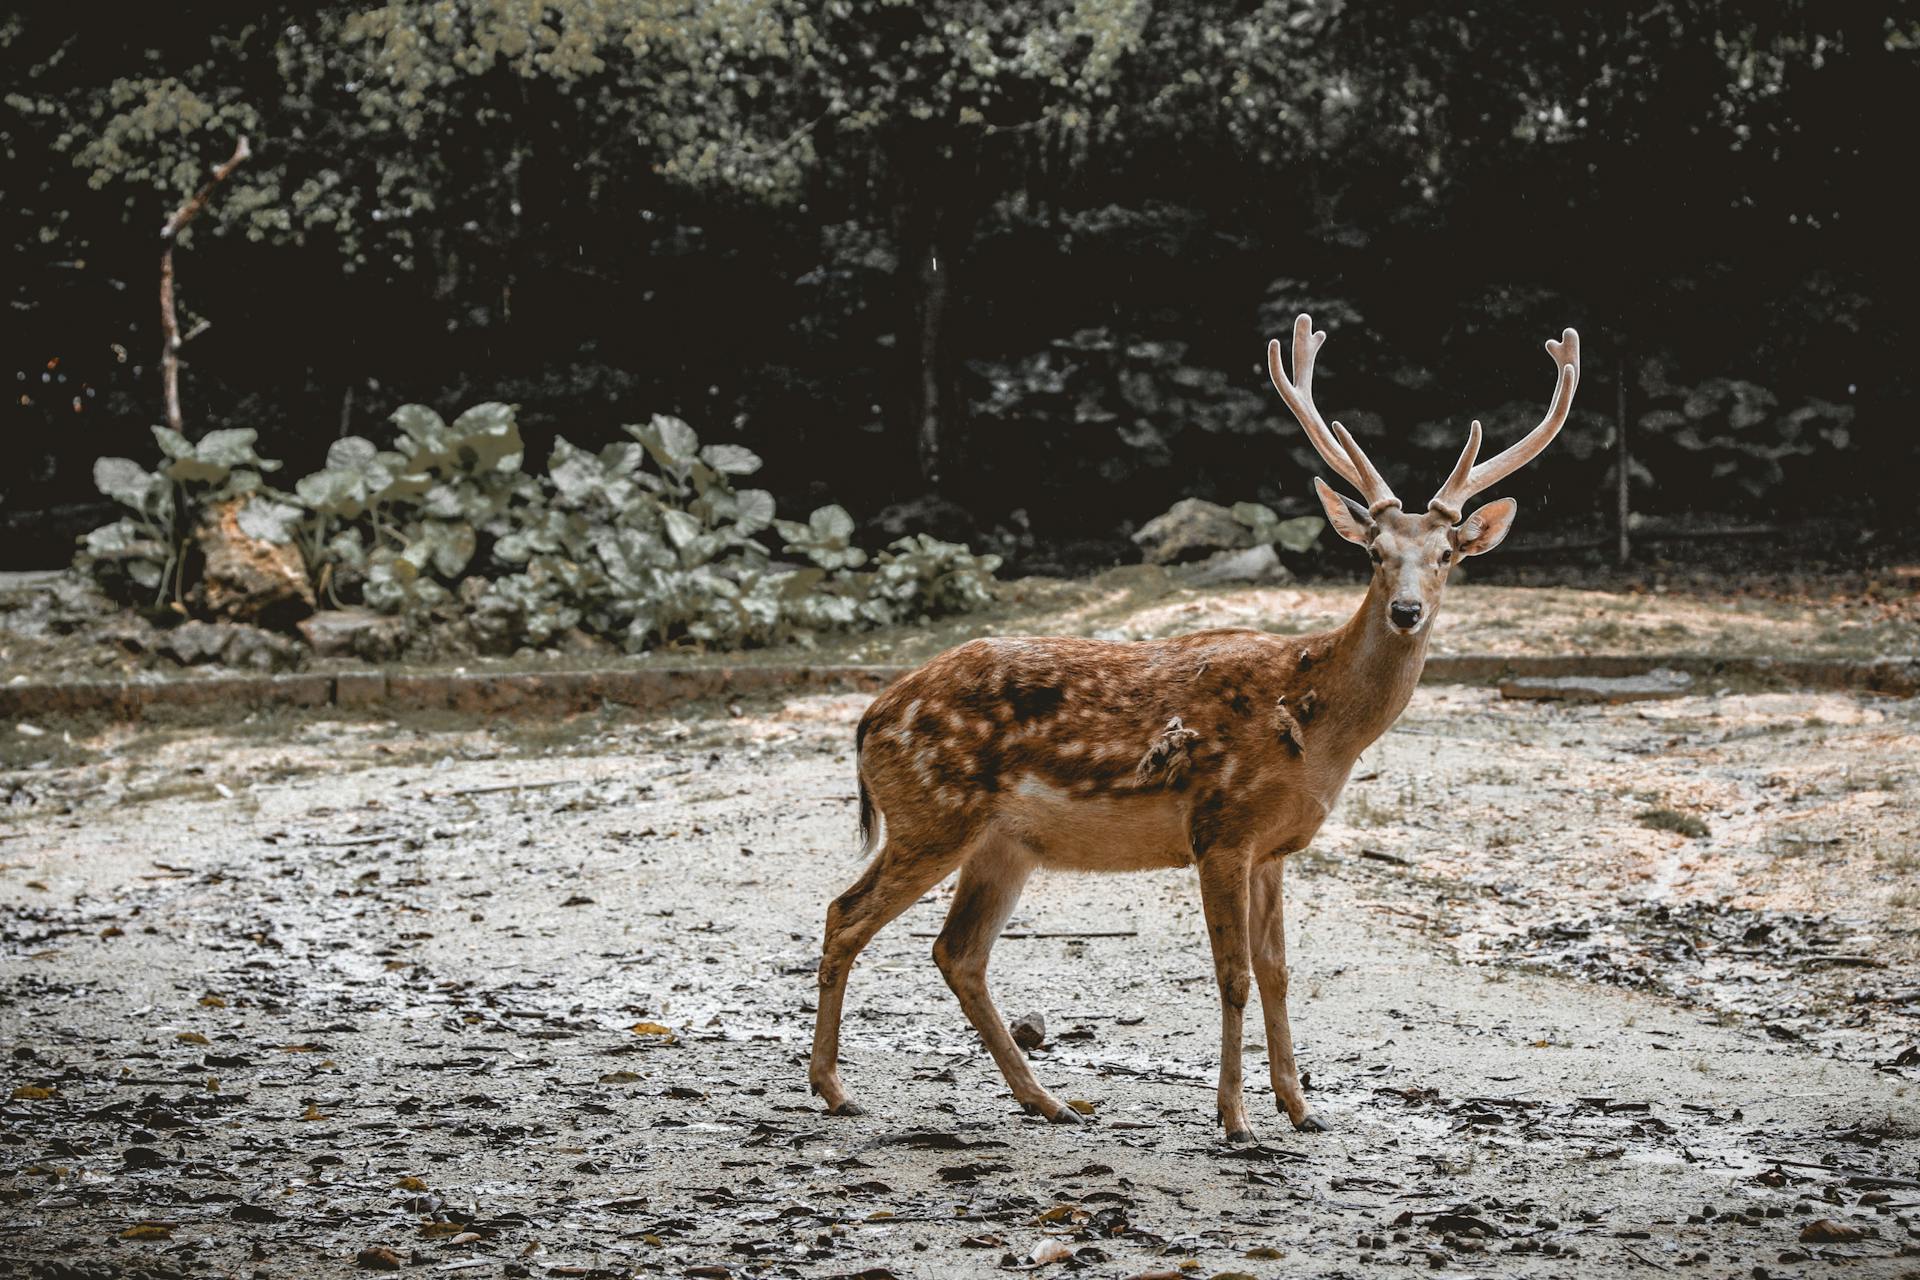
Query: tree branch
{"points": [[191, 209]]}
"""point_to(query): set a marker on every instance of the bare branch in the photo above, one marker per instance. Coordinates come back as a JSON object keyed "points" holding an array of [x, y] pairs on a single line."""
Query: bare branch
{"points": [[169, 318]]}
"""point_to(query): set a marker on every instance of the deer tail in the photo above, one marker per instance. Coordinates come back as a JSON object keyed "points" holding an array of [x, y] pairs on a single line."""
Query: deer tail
{"points": [[869, 833]]}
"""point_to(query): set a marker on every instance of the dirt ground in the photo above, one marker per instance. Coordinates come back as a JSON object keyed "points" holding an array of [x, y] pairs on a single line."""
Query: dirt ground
{"points": [[1582, 991]]}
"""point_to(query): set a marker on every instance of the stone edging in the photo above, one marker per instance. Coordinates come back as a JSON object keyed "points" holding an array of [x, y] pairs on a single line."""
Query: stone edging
{"points": [[651, 688]]}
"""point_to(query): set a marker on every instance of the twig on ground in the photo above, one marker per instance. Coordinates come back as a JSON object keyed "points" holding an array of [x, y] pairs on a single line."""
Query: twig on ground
{"points": [[514, 786]]}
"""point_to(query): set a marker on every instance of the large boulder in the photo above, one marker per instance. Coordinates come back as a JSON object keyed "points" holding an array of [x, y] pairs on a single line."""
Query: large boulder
{"points": [[1191, 529], [1256, 566], [248, 578]]}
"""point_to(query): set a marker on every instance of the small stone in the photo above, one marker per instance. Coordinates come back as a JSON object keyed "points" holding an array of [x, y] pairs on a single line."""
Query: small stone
{"points": [[1030, 1031], [355, 633], [1827, 1231], [378, 1258]]}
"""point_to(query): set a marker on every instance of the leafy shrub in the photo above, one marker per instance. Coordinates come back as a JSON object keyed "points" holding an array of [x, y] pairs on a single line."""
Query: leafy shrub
{"points": [[147, 550], [1732, 432], [648, 541]]}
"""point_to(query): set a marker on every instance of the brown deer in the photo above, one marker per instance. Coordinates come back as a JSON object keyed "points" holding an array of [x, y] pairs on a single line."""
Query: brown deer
{"points": [[1222, 750]]}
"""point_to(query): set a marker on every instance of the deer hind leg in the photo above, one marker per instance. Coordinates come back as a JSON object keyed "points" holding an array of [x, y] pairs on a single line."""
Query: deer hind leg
{"points": [[892, 882], [1223, 897], [989, 887], [1270, 967]]}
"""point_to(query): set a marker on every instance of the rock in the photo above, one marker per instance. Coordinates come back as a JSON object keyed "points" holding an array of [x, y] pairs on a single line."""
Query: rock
{"points": [[378, 1258], [1190, 529], [1827, 1231], [1259, 565], [1655, 684], [584, 644], [231, 644], [355, 633], [249, 579], [1030, 1032]]}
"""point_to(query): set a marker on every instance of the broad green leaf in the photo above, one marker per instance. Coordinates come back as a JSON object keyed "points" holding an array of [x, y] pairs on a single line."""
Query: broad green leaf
{"points": [[332, 492], [125, 481], [753, 510], [172, 443], [419, 423], [832, 522], [351, 453], [231, 447], [196, 471], [453, 548], [267, 520], [731, 459], [682, 529]]}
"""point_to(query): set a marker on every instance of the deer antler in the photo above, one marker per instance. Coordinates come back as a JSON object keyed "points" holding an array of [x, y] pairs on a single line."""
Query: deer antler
{"points": [[1337, 445], [1468, 479]]}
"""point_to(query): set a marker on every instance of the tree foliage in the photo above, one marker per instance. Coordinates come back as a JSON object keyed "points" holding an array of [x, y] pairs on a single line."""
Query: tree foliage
{"points": [[1026, 256]]}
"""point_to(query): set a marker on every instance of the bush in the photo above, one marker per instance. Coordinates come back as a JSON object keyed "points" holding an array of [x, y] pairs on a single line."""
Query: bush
{"points": [[648, 541]]}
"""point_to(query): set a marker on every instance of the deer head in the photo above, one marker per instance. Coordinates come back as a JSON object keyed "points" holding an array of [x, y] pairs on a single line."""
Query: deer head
{"points": [[1412, 555]]}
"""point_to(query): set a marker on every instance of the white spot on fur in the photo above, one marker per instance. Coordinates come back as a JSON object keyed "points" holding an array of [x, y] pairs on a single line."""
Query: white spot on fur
{"points": [[1028, 785]]}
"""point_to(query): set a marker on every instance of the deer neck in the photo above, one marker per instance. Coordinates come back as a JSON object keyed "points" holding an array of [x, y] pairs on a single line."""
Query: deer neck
{"points": [[1371, 671]]}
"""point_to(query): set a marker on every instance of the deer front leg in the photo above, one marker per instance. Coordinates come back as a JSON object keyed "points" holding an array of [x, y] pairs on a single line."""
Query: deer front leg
{"points": [[1268, 924], [1223, 896]]}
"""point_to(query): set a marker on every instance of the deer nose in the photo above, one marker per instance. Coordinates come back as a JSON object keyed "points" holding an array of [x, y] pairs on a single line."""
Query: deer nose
{"points": [[1405, 614]]}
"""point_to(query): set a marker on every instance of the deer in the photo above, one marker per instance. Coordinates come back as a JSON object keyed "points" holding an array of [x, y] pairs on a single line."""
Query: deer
{"points": [[1222, 750]]}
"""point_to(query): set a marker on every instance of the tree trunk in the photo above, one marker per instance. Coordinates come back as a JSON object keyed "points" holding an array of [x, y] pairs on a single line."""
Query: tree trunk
{"points": [[1623, 459], [926, 265]]}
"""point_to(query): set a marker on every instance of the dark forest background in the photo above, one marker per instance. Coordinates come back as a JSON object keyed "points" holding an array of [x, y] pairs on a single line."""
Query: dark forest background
{"points": [[1012, 266]]}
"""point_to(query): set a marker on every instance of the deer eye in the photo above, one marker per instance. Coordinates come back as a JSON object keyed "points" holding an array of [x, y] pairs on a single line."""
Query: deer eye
{"points": [[1446, 555], [1373, 554]]}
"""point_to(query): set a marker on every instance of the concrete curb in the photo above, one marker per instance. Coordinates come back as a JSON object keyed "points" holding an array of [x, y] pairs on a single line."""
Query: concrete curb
{"points": [[651, 688]]}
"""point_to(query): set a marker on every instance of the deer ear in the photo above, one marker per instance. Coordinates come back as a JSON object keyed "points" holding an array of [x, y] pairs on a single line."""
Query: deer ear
{"points": [[1486, 528], [1348, 518]]}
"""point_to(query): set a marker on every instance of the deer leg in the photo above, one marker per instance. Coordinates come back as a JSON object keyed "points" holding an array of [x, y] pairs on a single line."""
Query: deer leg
{"points": [[1270, 967], [1223, 897], [989, 887], [891, 883]]}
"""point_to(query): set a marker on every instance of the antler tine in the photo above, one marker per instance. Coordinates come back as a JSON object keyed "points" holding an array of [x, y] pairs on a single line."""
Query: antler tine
{"points": [[1341, 451], [1445, 500], [1468, 479]]}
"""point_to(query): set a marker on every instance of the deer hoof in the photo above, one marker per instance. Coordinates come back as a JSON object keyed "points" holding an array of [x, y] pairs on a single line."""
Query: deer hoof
{"points": [[1240, 1135], [848, 1108], [1309, 1123], [1066, 1115]]}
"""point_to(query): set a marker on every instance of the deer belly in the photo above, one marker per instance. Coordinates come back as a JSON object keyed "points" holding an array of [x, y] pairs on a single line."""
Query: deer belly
{"points": [[1095, 832]]}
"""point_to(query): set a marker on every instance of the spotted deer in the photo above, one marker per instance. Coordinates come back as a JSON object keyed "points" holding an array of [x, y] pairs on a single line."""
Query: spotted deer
{"points": [[1222, 750]]}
